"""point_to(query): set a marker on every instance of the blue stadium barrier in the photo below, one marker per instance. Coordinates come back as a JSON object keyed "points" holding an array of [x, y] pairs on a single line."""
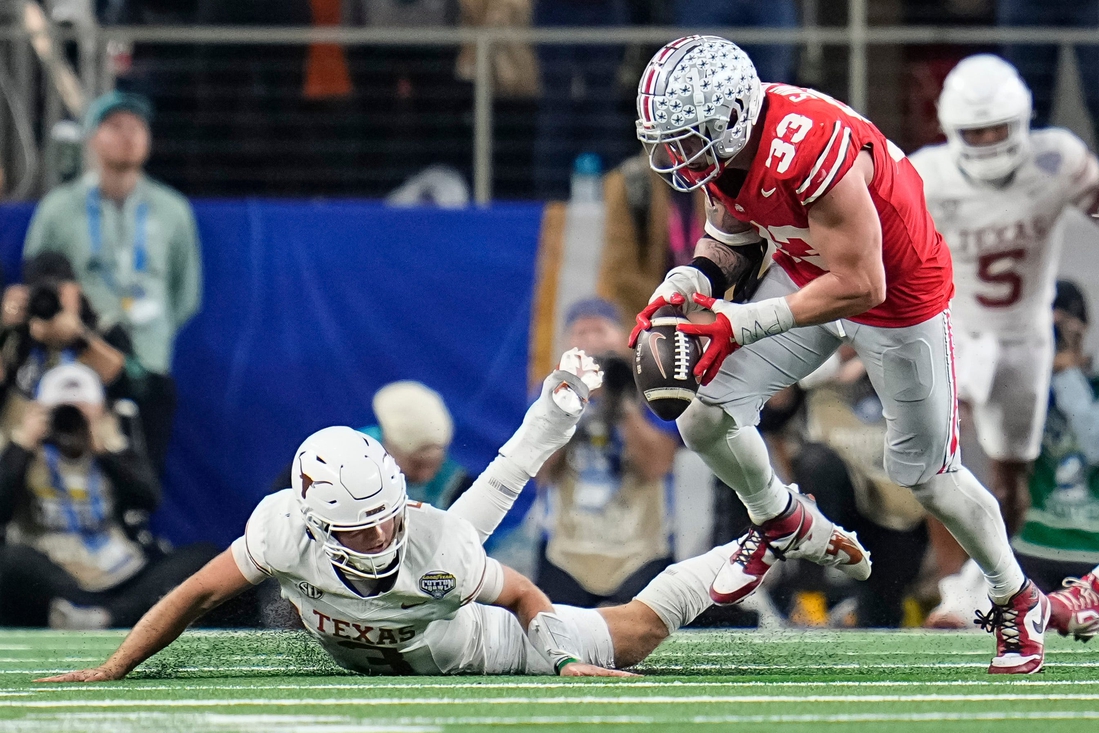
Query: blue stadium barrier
{"points": [[312, 306]]}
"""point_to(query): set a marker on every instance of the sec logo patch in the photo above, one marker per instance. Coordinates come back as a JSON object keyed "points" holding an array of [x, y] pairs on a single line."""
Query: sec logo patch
{"points": [[437, 583], [310, 591]]}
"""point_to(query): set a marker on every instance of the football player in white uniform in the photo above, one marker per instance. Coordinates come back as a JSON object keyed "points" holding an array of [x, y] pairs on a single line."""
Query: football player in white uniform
{"points": [[390, 586], [995, 189]]}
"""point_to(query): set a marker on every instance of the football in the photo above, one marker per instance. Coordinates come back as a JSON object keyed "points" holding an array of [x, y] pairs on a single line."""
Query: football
{"points": [[663, 364]]}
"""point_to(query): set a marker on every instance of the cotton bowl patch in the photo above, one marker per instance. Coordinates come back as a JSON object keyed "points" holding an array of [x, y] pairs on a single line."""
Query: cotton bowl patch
{"points": [[437, 583]]}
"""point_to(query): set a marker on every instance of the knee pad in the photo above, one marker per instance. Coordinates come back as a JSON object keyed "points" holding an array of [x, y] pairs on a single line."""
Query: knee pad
{"points": [[907, 470], [702, 425]]}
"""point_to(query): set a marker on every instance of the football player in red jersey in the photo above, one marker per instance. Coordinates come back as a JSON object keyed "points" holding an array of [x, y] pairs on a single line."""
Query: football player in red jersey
{"points": [[860, 262]]}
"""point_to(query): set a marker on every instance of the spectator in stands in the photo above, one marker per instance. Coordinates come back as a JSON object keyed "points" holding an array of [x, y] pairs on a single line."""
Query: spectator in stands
{"points": [[649, 229], [774, 63], [416, 429], [134, 246], [579, 111], [1038, 64], [604, 495], [47, 321], [67, 478], [1059, 536]]}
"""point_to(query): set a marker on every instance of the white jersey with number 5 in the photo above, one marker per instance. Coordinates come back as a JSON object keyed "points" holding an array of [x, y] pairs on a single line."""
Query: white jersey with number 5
{"points": [[1005, 269], [1005, 262]]}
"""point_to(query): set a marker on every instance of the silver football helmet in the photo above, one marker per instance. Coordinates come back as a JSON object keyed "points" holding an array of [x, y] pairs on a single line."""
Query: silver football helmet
{"points": [[986, 91], [697, 102], [346, 481]]}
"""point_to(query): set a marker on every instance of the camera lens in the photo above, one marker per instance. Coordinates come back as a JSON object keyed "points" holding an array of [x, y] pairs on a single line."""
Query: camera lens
{"points": [[69, 430], [44, 302]]}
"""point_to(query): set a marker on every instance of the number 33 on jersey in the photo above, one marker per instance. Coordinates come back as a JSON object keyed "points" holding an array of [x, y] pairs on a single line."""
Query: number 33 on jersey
{"points": [[809, 142]]}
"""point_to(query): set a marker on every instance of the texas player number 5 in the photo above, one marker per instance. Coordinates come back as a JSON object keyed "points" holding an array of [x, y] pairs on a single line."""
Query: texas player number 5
{"points": [[790, 131], [998, 268]]}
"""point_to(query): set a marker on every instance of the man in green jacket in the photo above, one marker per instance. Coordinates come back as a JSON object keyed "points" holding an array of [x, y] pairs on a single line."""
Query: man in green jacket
{"points": [[133, 244]]}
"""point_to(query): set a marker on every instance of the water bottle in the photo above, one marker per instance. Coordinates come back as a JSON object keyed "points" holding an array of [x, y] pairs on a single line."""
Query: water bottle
{"points": [[587, 179]]}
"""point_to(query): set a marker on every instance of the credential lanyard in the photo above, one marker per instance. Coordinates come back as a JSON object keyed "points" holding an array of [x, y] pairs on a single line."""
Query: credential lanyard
{"points": [[95, 234], [92, 540]]}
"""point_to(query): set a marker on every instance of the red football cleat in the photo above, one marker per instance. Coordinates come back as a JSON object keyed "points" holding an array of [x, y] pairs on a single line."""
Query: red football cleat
{"points": [[1075, 610], [799, 532], [1020, 626]]}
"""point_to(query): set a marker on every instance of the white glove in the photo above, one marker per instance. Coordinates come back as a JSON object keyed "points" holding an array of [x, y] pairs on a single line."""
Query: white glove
{"points": [[551, 421], [686, 281]]}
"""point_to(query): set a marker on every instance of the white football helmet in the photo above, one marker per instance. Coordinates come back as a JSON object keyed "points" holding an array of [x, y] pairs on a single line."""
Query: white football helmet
{"points": [[697, 102], [346, 481], [984, 91]]}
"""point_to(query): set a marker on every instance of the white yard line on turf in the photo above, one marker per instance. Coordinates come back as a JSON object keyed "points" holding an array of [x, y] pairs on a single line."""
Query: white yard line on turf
{"points": [[731, 719], [448, 684], [589, 699], [734, 668]]}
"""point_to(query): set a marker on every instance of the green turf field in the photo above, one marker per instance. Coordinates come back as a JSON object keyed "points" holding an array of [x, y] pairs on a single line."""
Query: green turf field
{"points": [[273, 682]]}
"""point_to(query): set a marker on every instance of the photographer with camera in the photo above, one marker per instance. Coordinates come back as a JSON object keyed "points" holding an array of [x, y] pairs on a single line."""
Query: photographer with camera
{"points": [[67, 478], [47, 321], [604, 496]]}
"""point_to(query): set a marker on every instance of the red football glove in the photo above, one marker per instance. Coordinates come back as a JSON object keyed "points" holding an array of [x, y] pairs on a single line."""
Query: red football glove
{"points": [[720, 333], [643, 322]]}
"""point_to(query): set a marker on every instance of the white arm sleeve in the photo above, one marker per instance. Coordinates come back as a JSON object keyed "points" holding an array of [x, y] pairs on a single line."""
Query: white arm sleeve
{"points": [[490, 497], [493, 583], [547, 427]]}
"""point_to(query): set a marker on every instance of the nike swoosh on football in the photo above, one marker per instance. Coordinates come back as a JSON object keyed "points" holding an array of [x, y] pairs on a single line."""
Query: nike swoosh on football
{"points": [[767, 193], [406, 606]]}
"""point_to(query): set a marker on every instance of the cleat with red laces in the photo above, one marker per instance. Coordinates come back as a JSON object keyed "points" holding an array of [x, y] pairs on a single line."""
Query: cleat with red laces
{"points": [[799, 532], [1075, 609], [1019, 626]]}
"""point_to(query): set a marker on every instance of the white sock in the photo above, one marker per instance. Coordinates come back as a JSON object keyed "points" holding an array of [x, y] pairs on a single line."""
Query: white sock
{"points": [[682, 591], [970, 512], [746, 467]]}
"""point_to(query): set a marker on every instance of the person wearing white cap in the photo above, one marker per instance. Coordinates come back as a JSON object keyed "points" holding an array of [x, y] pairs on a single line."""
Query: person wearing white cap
{"points": [[66, 479], [416, 428]]}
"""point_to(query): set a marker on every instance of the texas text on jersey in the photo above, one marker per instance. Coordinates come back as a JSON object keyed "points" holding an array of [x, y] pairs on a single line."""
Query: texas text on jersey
{"points": [[392, 632], [809, 141], [999, 235]]}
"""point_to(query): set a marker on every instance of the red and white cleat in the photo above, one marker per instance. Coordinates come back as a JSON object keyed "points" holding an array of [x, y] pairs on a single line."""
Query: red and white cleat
{"points": [[1076, 608], [1020, 626], [799, 532]]}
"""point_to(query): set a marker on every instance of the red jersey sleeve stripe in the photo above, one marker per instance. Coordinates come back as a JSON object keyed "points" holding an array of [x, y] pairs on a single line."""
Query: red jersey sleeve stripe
{"points": [[820, 160], [840, 159]]}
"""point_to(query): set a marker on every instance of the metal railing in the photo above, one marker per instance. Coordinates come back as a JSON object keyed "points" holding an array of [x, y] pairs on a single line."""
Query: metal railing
{"points": [[857, 36]]}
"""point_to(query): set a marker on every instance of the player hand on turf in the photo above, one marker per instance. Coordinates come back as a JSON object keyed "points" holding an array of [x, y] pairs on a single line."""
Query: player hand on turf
{"points": [[579, 669], [720, 333], [95, 674], [644, 322]]}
